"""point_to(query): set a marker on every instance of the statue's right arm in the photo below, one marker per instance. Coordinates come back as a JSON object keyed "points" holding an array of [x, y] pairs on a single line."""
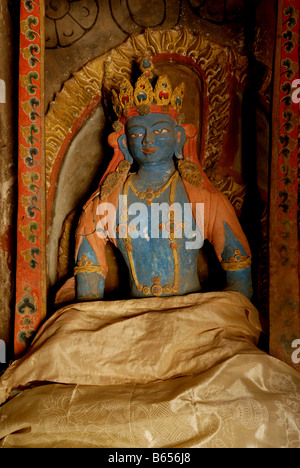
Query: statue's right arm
{"points": [[90, 280]]}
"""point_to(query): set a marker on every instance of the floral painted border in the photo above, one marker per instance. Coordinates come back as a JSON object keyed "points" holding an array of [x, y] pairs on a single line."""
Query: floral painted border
{"points": [[30, 300], [284, 257]]}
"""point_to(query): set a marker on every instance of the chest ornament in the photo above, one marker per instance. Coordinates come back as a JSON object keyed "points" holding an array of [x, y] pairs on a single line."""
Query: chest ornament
{"points": [[151, 194]]}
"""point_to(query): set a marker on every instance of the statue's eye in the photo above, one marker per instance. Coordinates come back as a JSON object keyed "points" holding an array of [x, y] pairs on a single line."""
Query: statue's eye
{"points": [[136, 135], [160, 131]]}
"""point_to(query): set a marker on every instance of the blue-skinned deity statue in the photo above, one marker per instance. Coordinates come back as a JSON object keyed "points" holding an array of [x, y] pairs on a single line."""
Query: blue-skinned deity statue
{"points": [[155, 204]]}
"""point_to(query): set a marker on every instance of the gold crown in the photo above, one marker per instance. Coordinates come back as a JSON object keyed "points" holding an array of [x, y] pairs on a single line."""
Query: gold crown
{"points": [[144, 98]]}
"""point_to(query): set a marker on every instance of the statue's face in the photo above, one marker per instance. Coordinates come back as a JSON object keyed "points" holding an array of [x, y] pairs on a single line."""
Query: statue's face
{"points": [[153, 139]]}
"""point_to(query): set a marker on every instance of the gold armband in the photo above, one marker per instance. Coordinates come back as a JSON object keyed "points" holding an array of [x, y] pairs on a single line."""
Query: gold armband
{"points": [[88, 269], [86, 266], [238, 262]]}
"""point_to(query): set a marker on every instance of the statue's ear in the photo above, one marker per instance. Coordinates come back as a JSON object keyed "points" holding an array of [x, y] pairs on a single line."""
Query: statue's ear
{"points": [[122, 141], [180, 141]]}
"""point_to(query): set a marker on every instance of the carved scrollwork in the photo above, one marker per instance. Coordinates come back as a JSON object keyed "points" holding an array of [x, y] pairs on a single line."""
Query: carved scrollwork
{"points": [[233, 191]]}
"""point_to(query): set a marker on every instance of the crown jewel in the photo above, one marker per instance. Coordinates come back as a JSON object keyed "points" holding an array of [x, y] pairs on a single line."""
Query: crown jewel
{"points": [[145, 98]]}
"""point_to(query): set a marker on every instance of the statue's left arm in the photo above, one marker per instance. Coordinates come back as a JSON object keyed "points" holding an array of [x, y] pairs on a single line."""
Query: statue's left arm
{"points": [[236, 263], [90, 256], [230, 243]]}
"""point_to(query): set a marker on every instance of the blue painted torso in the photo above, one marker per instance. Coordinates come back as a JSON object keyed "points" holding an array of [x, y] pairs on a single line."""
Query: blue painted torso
{"points": [[152, 265]]}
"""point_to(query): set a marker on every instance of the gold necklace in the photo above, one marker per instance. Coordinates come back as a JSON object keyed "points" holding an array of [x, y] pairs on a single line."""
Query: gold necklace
{"points": [[150, 195], [156, 288]]}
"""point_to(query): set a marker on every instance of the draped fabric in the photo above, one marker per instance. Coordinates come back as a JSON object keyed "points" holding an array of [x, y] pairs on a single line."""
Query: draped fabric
{"points": [[157, 372]]}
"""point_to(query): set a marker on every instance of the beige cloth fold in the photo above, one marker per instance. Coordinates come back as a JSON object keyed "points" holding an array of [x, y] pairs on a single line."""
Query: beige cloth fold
{"points": [[157, 372]]}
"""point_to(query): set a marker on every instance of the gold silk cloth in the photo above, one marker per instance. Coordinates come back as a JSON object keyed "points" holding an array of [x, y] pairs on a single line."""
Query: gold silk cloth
{"points": [[177, 372]]}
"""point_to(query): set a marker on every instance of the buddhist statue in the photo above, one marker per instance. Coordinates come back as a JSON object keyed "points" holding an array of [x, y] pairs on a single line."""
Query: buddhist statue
{"points": [[155, 204]]}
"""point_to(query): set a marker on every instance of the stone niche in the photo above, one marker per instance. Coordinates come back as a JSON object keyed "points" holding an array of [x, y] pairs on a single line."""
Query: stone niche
{"points": [[76, 33], [102, 27]]}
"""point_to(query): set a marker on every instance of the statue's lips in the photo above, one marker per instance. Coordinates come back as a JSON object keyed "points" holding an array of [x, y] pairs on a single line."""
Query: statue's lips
{"points": [[149, 150]]}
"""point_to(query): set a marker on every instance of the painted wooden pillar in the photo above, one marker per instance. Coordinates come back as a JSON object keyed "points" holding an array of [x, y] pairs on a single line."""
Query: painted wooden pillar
{"points": [[284, 202], [7, 175], [30, 308]]}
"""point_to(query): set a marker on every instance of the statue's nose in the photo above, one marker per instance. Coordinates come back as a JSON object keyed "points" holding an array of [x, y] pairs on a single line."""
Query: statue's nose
{"points": [[148, 138]]}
